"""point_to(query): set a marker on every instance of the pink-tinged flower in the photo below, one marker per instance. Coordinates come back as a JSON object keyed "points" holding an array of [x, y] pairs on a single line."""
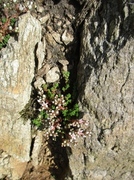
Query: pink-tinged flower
{"points": [[58, 126], [80, 132], [73, 136], [44, 105], [81, 121], [52, 128]]}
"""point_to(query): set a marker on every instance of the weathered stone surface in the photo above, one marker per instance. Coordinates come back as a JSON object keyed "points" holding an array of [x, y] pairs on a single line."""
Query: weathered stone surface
{"points": [[40, 52], [45, 18], [64, 63], [67, 37], [49, 39], [38, 83], [105, 76], [53, 75], [106, 81], [16, 73], [36, 149], [56, 36]]}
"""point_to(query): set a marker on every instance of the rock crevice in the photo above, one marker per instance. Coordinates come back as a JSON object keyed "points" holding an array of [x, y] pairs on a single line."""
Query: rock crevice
{"points": [[94, 41]]}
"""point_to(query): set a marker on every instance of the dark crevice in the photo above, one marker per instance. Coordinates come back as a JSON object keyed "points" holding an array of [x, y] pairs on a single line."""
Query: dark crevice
{"points": [[56, 1], [100, 136], [61, 169], [32, 146], [35, 58]]}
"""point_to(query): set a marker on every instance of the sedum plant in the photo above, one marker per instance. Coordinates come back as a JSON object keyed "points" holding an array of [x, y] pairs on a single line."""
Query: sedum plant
{"points": [[7, 22], [9, 13], [58, 114]]}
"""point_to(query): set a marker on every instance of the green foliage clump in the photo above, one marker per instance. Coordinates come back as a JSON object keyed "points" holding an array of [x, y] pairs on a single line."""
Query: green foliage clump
{"points": [[4, 42], [58, 113], [9, 13]]}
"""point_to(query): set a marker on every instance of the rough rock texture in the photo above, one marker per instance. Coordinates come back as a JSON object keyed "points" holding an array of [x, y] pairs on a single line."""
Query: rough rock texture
{"points": [[106, 97], [106, 81], [52, 75], [17, 65]]}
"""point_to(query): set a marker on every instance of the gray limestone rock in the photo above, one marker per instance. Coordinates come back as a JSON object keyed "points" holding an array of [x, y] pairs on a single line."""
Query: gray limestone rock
{"points": [[16, 73], [53, 75], [105, 85], [40, 52], [106, 98]]}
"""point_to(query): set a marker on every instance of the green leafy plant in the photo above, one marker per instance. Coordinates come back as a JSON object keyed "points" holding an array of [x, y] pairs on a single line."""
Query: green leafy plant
{"points": [[37, 122], [9, 13], [58, 114], [4, 42], [12, 21], [6, 29], [3, 20]]}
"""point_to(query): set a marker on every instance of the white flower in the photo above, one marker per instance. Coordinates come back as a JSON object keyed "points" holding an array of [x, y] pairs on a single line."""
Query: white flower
{"points": [[80, 132], [44, 96], [63, 101], [10, 28], [16, 29], [57, 112], [21, 8], [62, 96], [81, 121], [44, 105], [56, 96], [73, 136]]}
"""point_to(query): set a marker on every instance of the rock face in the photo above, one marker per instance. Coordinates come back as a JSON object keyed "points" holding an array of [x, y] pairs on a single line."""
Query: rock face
{"points": [[106, 81], [16, 74]]}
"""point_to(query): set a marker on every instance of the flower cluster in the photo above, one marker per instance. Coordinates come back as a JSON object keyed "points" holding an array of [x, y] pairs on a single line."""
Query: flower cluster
{"points": [[52, 107], [52, 110], [58, 114], [59, 125], [77, 129]]}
